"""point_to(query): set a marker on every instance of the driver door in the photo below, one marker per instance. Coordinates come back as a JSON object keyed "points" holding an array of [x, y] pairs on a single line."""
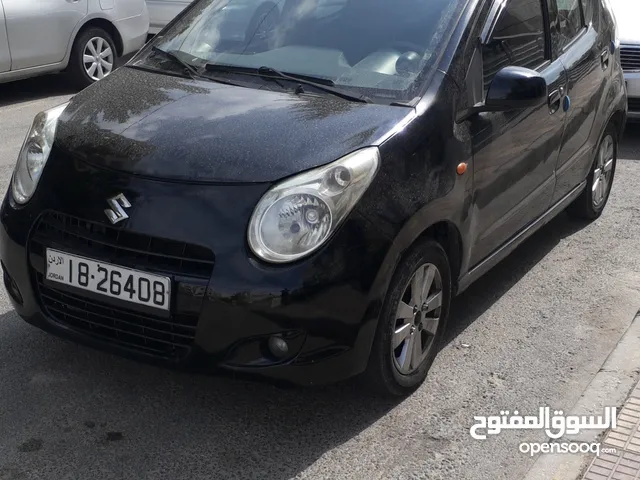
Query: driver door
{"points": [[515, 152]]}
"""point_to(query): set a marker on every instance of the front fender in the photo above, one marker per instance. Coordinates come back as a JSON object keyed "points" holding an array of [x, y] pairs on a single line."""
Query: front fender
{"points": [[418, 190], [443, 213]]}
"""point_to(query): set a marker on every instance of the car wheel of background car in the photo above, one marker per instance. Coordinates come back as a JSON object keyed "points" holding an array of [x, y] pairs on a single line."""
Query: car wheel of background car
{"points": [[93, 57], [412, 321], [591, 202]]}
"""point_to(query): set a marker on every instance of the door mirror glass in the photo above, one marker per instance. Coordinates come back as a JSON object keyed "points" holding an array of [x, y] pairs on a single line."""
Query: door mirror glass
{"points": [[516, 88]]}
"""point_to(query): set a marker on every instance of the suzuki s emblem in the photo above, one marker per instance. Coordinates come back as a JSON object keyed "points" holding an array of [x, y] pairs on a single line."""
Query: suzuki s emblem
{"points": [[116, 213]]}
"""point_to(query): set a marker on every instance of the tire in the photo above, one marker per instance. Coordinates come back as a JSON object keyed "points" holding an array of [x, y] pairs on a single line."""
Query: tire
{"points": [[79, 74], [384, 373], [591, 202]]}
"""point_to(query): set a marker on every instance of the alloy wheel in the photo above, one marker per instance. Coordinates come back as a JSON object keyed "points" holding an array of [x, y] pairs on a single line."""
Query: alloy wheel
{"points": [[417, 319], [602, 172], [98, 58]]}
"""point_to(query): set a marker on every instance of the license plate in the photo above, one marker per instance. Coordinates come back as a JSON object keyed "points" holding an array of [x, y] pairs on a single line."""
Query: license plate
{"points": [[109, 280]]}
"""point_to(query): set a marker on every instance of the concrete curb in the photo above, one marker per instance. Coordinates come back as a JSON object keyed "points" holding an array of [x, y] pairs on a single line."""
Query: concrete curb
{"points": [[609, 388]]}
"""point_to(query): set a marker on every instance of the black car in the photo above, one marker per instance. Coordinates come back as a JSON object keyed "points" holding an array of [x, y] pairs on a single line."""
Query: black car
{"points": [[305, 204]]}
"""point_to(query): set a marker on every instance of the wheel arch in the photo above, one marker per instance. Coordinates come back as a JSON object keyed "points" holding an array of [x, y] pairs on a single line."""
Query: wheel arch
{"points": [[108, 27], [618, 118], [444, 231], [100, 22], [447, 234]]}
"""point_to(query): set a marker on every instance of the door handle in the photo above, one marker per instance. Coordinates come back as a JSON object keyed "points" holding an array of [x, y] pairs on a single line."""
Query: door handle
{"points": [[555, 98], [604, 59]]}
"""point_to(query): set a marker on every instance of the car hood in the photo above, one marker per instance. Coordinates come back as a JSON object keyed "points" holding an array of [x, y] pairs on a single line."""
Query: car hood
{"points": [[627, 13], [168, 127]]}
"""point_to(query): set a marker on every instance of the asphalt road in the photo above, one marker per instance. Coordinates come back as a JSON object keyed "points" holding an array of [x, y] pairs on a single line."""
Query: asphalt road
{"points": [[533, 332]]}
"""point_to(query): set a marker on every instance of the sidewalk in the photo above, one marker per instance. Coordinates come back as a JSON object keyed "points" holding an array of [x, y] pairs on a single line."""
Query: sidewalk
{"points": [[625, 464], [615, 385]]}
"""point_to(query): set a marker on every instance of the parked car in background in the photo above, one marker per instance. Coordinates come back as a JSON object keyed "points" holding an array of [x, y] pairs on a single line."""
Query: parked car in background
{"points": [[305, 205], [83, 37], [627, 13], [161, 12]]}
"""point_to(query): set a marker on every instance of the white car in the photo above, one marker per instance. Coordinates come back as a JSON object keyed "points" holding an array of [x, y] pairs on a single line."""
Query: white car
{"points": [[161, 12], [83, 37], [627, 13]]}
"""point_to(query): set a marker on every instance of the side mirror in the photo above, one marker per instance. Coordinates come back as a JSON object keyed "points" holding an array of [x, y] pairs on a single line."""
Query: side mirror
{"points": [[515, 88]]}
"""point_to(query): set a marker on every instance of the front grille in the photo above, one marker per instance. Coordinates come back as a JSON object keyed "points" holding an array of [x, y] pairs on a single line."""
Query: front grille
{"points": [[168, 337], [134, 250], [634, 104], [630, 58]]}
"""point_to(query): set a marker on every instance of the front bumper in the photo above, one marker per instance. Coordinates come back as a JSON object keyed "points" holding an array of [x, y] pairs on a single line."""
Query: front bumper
{"points": [[323, 305], [632, 79]]}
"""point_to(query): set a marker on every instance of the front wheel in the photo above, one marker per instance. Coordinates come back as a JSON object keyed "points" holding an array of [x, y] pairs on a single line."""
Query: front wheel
{"points": [[591, 202], [93, 57], [412, 322]]}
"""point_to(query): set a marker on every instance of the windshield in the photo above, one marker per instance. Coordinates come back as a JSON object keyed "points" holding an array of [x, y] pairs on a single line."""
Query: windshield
{"points": [[379, 48]]}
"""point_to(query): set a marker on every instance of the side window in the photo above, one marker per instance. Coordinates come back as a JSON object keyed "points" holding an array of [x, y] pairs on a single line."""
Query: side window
{"points": [[570, 22], [518, 39]]}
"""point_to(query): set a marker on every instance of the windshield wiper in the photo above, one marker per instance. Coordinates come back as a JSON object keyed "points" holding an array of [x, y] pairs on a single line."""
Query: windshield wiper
{"points": [[324, 84], [192, 71]]}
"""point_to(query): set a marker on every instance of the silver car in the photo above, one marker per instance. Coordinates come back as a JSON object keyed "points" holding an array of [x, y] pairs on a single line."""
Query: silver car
{"points": [[83, 37], [627, 14], [161, 12]]}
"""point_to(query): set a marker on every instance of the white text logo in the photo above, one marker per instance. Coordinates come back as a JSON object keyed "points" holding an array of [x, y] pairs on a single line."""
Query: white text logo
{"points": [[554, 426]]}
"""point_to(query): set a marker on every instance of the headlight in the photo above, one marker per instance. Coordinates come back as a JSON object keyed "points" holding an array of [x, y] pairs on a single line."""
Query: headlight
{"points": [[297, 216], [34, 154]]}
